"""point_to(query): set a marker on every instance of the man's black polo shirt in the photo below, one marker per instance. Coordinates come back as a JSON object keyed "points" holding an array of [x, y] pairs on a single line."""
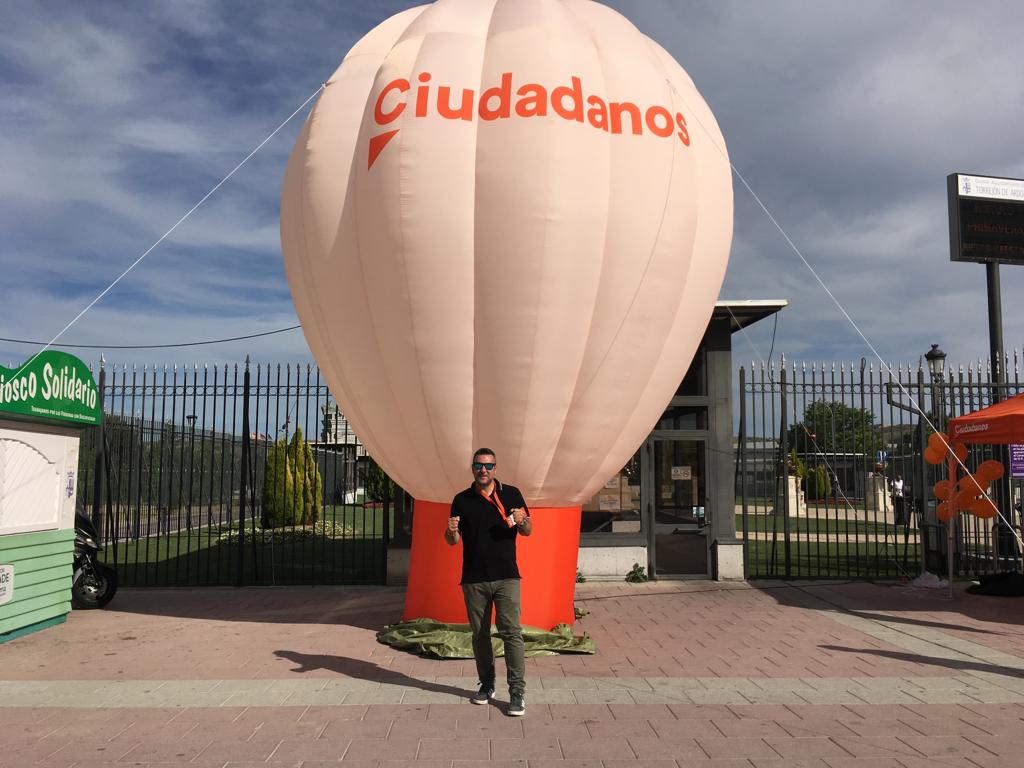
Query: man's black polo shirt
{"points": [[488, 543]]}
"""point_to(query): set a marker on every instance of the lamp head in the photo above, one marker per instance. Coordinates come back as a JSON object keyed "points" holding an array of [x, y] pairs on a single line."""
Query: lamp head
{"points": [[936, 361]]}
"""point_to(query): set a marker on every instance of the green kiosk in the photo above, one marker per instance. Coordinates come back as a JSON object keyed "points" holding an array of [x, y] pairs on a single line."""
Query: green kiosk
{"points": [[44, 405]]}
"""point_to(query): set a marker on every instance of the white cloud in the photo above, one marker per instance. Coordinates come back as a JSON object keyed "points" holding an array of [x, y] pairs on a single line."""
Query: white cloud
{"points": [[845, 118]]}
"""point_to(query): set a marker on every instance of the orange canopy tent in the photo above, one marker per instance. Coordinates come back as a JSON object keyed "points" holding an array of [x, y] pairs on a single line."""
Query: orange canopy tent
{"points": [[997, 424]]}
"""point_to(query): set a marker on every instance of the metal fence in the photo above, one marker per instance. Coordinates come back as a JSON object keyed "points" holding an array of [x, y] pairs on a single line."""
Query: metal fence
{"points": [[233, 476], [819, 449]]}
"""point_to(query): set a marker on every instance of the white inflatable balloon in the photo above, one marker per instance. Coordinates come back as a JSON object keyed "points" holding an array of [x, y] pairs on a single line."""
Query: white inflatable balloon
{"points": [[505, 223]]}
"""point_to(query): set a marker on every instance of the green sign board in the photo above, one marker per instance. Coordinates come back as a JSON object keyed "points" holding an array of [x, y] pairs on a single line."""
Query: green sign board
{"points": [[53, 386]]}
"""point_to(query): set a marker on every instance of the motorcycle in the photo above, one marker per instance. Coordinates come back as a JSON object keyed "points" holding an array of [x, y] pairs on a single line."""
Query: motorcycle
{"points": [[94, 584]]}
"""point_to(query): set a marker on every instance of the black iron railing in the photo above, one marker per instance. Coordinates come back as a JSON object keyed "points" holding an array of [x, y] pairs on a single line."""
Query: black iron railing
{"points": [[820, 448], [233, 476]]}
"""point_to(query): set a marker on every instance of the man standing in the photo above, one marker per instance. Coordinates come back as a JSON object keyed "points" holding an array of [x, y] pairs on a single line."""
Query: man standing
{"points": [[486, 518], [900, 516]]}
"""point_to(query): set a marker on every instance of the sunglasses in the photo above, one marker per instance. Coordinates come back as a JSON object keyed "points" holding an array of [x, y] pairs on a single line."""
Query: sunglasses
{"points": [[478, 465]]}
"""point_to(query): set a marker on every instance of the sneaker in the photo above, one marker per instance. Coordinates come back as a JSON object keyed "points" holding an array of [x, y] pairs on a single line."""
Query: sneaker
{"points": [[484, 695], [517, 705]]}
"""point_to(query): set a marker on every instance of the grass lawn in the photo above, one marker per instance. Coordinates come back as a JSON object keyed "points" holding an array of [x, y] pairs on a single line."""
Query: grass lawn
{"points": [[835, 524], [346, 547], [833, 559]]}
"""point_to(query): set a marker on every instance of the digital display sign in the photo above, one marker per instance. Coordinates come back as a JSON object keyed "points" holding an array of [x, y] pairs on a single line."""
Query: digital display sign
{"points": [[986, 219]]}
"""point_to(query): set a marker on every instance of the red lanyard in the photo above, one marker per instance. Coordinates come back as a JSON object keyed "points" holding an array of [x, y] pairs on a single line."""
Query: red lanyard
{"points": [[493, 498]]}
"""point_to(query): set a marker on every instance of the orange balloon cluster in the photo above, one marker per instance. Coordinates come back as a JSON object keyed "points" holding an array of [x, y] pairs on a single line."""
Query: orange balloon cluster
{"points": [[970, 493], [939, 449]]}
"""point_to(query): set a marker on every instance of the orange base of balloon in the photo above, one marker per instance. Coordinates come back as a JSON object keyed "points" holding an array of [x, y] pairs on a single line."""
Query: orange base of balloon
{"points": [[547, 564]]}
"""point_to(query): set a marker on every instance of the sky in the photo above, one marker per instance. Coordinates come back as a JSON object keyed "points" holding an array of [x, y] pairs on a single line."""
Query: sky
{"points": [[844, 118]]}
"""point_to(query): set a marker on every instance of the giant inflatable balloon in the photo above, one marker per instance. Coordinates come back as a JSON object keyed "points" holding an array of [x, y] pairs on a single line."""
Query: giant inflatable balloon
{"points": [[505, 223]]}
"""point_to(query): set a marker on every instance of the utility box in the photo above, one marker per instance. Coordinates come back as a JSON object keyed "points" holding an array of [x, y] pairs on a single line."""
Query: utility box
{"points": [[44, 405]]}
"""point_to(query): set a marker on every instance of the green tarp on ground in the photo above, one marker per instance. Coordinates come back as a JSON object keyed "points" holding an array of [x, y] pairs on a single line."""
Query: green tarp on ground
{"points": [[453, 641]]}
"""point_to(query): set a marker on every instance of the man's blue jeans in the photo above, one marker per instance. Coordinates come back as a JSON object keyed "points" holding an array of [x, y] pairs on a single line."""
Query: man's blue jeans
{"points": [[503, 595]]}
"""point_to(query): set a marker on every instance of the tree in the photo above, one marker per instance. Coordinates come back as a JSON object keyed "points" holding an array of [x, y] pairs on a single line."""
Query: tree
{"points": [[833, 427], [377, 485], [817, 484], [307, 479], [279, 497], [292, 487]]}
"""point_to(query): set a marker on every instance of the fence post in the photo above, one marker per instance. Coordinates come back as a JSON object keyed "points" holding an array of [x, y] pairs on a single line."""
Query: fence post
{"points": [[742, 447], [921, 468], [244, 482], [97, 475], [784, 442]]}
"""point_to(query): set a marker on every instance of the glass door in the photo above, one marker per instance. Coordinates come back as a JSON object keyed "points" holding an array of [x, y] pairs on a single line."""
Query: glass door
{"points": [[677, 475]]}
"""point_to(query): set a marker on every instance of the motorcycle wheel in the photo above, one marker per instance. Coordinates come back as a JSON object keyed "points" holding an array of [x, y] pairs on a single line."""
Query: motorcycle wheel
{"points": [[95, 589]]}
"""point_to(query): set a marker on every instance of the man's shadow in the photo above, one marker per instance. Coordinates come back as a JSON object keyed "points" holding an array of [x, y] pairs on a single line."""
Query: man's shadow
{"points": [[363, 670]]}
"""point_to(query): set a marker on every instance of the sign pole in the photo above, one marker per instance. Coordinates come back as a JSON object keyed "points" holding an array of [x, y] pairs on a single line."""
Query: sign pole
{"points": [[995, 341], [986, 225]]}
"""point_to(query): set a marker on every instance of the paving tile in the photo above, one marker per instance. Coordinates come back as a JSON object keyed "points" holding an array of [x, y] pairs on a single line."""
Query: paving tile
{"points": [[995, 761], [451, 749], [943, 746], [869, 746], [580, 712], [223, 750], [882, 711], [271, 714], [93, 750], [944, 726], [407, 729], [562, 763], [621, 728], [527, 748], [641, 712], [636, 763], [171, 750], [748, 727], [316, 749], [824, 726], [726, 762], [382, 749], [206, 714], [646, 748], [596, 748], [396, 712], [775, 712], [804, 747], [547, 729], [869, 762], [880, 728], [457, 712], [996, 726], [346, 712], [213, 731], [504, 728], [717, 747], [1003, 744], [685, 728]]}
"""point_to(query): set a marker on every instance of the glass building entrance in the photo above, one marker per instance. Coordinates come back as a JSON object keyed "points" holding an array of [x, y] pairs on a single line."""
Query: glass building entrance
{"points": [[677, 473]]}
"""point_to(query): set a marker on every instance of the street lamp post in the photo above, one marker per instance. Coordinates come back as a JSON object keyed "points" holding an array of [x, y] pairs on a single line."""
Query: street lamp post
{"points": [[191, 418], [936, 363], [936, 368]]}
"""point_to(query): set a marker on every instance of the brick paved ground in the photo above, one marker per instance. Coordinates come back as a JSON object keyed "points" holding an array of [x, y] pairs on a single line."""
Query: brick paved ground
{"points": [[686, 674]]}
